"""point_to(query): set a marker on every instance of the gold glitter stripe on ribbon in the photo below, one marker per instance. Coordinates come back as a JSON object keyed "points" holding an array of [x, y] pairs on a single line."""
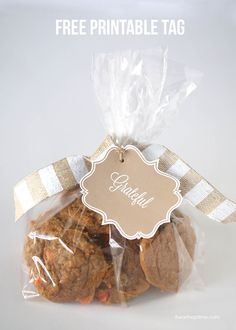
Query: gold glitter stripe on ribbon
{"points": [[107, 142], [188, 181], [167, 160], [211, 202], [36, 187], [64, 174]]}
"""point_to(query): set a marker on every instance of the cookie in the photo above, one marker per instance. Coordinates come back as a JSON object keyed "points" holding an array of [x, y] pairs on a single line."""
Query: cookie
{"points": [[78, 215], [125, 278], [166, 258], [65, 265], [73, 257]]}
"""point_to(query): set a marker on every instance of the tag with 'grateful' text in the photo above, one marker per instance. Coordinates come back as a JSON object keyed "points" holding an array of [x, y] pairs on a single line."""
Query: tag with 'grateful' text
{"points": [[130, 192]]}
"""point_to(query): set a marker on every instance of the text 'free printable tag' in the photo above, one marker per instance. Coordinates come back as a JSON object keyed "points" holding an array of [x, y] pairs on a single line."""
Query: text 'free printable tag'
{"points": [[130, 192]]}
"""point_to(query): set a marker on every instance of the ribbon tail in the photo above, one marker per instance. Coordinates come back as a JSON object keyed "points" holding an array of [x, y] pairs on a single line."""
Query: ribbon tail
{"points": [[194, 188]]}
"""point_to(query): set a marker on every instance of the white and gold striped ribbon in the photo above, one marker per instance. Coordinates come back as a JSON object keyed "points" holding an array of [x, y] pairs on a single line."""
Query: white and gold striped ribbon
{"points": [[194, 188], [47, 182], [67, 173]]}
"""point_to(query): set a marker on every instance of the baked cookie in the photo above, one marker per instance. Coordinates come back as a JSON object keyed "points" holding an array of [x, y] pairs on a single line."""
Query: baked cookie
{"points": [[78, 215], [65, 264], [124, 278], [166, 258]]}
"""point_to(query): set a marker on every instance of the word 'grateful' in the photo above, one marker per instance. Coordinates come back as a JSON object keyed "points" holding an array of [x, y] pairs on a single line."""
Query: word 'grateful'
{"points": [[120, 183]]}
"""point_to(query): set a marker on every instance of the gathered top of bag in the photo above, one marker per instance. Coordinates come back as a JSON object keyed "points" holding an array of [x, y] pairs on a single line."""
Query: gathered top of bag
{"points": [[139, 93]]}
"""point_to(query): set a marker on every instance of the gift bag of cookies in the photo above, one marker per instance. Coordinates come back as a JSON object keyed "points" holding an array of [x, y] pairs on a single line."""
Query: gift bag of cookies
{"points": [[112, 226]]}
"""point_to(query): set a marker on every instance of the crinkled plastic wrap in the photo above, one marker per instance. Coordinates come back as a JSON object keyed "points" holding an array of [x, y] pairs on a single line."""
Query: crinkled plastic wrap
{"points": [[69, 256], [139, 93]]}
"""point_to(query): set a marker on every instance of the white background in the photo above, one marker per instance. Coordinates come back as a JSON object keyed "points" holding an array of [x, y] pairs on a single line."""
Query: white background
{"points": [[48, 110]]}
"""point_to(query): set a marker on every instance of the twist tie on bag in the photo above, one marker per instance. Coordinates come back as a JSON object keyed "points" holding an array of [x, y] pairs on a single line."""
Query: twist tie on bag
{"points": [[139, 93]]}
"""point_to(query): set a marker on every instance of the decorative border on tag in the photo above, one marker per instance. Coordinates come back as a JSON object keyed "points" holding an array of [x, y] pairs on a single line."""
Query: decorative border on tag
{"points": [[105, 219]]}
